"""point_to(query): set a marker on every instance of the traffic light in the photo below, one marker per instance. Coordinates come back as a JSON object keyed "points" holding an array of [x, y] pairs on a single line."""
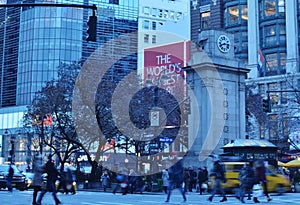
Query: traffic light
{"points": [[266, 105], [92, 28]]}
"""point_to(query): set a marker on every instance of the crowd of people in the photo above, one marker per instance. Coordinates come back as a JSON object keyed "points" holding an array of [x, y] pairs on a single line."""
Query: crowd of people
{"points": [[175, 177]]}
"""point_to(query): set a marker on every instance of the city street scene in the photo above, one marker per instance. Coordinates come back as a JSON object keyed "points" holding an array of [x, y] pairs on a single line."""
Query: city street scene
{"points": [[149, 102]]}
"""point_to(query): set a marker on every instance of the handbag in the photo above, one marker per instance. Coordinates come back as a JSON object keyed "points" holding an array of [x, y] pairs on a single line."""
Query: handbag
{"points": [[257, 190]]}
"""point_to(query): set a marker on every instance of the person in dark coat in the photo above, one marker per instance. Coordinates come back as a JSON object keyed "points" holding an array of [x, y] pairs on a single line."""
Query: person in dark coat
{"points": [[132, 181], [37, 180], [105, 180], [247, 179], [219, 173], [52, 176], [10, 178], [260, 172], [176, 178], [202, 178]]}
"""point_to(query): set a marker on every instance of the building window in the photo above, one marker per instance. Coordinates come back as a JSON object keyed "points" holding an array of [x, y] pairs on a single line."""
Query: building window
{"points": [[272, 64], [283, 94], [114, 1], [270, 35], [244, 12], [153, 25], [270, 7], [205, 20], [233, 12], [146, 38], [273, 95], [273, 131], [281, 6], [154, 39], [154, 12], [146, 24], [282, 63], [146, 10]]}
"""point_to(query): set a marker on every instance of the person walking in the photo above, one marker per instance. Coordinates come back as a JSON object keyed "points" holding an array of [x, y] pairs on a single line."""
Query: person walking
{"points": [[121, 182], [218, 172], [37, 180], [132, 181], [104, 180], [176, 178], [69, 179], [165, 180], [10, 176], [52, 176], [202, 178], [247, 178], [260, 172]]}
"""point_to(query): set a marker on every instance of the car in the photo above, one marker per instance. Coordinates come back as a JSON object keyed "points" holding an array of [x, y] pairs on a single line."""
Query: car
{"points": [[18, 180], [276, 182]]}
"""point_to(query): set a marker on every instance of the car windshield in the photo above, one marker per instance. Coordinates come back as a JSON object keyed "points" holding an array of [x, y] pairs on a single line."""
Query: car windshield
{"points": [[4, 168]]}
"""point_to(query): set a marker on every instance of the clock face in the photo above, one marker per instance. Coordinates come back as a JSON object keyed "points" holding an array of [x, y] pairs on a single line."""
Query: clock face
{"points": [[223, 43]]}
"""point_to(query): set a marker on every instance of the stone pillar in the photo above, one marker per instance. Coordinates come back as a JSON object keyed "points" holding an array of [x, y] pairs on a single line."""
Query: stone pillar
{"points": [[253, 37], [291, 36]]}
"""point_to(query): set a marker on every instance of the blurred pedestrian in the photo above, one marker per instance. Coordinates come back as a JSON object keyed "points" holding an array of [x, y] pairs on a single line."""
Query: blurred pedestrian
{"points": [[121, 182], [218, 172], [10, 176], [176, 178], [105, 180], [165, 180], [202, 178], [247, 178], [69, 179], [186, 179], [260, 172], [52, 176], [132, 181], [37, 180]]}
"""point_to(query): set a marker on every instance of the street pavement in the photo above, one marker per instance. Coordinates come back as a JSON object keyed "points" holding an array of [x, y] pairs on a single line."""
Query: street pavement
{"points": [[102, 198]]}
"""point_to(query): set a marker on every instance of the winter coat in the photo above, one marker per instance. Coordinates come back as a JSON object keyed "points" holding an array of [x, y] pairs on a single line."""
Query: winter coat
{"points": [[176, 172], [38, 169], [247, 176], [104, 179], [165, 178]]}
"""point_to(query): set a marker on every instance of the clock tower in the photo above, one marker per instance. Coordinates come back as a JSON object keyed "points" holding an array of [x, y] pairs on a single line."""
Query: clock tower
{"points": [[217, 43]]}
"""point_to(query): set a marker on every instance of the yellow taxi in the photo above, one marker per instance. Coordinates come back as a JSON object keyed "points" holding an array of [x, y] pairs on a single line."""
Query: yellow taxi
{"points": [[276, 182]]}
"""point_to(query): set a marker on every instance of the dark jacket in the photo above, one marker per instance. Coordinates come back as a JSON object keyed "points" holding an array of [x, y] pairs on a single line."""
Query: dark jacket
{"points": [[176, 172], [219, 171]]}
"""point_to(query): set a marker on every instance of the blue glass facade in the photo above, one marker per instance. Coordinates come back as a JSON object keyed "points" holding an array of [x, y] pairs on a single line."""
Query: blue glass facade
{"points": [[40, 38]]}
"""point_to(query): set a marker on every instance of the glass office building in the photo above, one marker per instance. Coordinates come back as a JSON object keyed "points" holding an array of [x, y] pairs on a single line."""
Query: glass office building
{"points": [[34, 41]]}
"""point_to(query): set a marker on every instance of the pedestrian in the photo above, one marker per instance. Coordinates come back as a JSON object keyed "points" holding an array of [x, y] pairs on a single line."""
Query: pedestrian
{"points": [[132, 181], [52, 176], [176, 178], [202, 178], [165, 180], [260, 172], [247, 178], [186, 179], [105, 180], [69, 179], [218, 172], [10, 176], [121, 182], [37, 180]]}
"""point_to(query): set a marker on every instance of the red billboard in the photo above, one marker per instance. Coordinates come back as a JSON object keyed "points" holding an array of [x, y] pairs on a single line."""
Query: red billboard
{"points": [[167, 60]]}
